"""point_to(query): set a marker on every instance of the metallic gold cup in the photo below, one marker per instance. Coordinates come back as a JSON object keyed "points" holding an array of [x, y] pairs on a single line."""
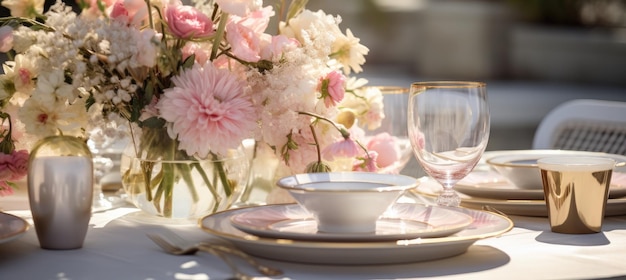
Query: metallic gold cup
{"points": [[576, 191]]}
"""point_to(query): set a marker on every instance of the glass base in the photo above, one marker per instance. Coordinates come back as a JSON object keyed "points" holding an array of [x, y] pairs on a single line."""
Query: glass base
{"points": [[449, 198], [102, 202]]}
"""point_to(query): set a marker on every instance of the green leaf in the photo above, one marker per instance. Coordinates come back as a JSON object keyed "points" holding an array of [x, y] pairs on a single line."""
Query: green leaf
{"points": [[153, 122], [188, 63]]}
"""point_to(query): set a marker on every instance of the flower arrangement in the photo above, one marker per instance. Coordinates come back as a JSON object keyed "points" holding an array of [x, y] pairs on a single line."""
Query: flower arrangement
{"points": [[191, 80]]}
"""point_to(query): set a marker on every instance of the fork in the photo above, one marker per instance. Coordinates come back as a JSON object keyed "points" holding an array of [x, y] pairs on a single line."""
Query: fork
{"points": [[174, 244]]}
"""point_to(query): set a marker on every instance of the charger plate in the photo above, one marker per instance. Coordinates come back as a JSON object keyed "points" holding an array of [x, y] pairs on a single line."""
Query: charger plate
{"points": [[484, 225], [537, 208], [11, 227], [293, 222]]}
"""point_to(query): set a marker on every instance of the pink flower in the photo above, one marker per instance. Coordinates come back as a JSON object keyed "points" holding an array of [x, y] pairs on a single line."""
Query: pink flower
{"points": [[6, 38], [207, 110], [5, 189], [239, 7], [13, 166], [385, 145], [344, 148], [274, 46], [119, 12], [187, 22], [245, 43], [201, 54], [367, 163], [332, 88]]}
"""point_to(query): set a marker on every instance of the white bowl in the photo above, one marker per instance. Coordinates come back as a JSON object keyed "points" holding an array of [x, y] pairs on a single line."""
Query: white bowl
{"points": [[520, 167], [346, 202]]}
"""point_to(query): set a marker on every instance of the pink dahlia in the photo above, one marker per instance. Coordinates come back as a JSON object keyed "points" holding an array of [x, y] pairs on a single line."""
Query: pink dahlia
{"points": [[207, 110]]}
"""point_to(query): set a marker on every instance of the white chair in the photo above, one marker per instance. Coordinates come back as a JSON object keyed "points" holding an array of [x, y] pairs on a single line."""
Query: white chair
{"points": [[584, 125]]}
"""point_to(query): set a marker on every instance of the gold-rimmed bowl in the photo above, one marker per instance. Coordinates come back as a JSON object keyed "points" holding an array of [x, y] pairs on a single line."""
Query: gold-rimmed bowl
{"points": [[346, 202]]}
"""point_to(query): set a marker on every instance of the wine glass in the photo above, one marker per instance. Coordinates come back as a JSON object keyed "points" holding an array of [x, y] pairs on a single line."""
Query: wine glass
{"points": [[448, 124], [392, 130], [102, 137]]}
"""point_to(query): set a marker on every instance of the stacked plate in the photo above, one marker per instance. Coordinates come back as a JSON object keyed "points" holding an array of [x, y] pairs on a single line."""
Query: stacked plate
{"points": [[11, 227], [407, 232], [486, 187]]}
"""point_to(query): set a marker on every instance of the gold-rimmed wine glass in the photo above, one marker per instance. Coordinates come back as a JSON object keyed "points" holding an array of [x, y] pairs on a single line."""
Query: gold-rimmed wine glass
{"points": [[448, 124]]}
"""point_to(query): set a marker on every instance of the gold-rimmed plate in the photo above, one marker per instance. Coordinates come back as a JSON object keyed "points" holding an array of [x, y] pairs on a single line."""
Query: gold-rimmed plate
{"points": [[491, 185], [521, 207], [484, 225], [293, 222], [11, 227]]}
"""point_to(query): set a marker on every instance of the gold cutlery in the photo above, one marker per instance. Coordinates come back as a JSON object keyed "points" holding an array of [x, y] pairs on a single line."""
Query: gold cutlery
{"points": [[176, 245]]}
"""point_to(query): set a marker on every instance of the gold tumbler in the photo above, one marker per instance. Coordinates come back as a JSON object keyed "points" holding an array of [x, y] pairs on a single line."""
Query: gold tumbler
{"points": [[576, 191]]}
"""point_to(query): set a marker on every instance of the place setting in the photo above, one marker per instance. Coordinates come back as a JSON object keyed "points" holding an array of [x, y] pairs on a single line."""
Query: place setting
{"points": [[325, 227], [511, 182]]}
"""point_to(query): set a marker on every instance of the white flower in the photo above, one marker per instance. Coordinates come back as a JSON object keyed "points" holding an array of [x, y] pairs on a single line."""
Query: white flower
{"points": [[24, 8], [44, 116], [349, 52], [24, 73], [53, 83]]}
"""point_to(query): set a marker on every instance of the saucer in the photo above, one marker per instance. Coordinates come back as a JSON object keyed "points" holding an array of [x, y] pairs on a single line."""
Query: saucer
{"points": [[293, 222], [485, 225], [489, 184]]}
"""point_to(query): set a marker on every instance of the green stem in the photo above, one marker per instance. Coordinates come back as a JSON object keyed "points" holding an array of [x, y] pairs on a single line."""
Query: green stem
{"points": [[218, 35], [207, 181], [185, 171]]}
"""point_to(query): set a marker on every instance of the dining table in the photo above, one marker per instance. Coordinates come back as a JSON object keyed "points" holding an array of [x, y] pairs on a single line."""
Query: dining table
{"points": [[116, 247]]}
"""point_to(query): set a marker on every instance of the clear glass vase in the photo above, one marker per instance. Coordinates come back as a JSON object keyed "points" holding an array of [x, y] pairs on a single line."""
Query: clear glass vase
{"points": [[182, 187], [60, 190]]}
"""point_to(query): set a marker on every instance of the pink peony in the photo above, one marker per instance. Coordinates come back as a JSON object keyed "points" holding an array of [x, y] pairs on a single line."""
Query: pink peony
{"points": [[332, 88], [245, 43], [207, 110], [344, 148], [6, 38], [187, 22], [385, 145]]}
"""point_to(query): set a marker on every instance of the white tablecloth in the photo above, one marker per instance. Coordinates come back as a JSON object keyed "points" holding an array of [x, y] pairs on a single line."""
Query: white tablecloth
{"points": [[116, 247]]}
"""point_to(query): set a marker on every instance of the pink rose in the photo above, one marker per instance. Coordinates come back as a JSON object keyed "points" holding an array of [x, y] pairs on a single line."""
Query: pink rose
{"points": [[385, 145], [186, 22], [6, 38], [245, 43]]}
